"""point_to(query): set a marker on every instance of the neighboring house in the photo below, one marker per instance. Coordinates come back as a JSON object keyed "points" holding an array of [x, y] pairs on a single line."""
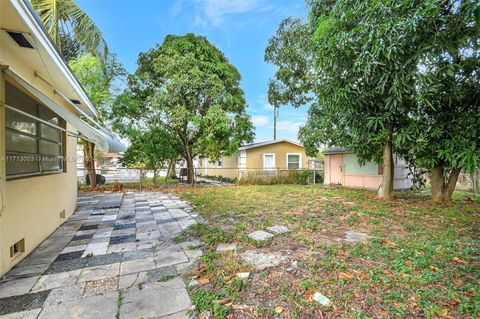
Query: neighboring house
{"points": [[41, 103], [342, 168], [264, 156], [107, 160]]}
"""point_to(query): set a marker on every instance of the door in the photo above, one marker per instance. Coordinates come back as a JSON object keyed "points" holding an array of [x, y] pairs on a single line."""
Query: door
{"points": [[268, 161], [336, 169]]}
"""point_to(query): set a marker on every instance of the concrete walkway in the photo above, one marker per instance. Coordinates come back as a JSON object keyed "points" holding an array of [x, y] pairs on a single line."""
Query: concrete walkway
{"points": [[113, 258]]}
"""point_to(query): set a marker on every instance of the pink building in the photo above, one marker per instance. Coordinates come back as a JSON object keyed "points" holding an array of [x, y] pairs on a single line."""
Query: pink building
{"points": [[343, 168]]}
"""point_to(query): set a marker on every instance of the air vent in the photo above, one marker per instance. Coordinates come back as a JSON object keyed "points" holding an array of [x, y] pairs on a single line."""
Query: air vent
{"points": [[75, 101], [21, 39], [17, 248]]}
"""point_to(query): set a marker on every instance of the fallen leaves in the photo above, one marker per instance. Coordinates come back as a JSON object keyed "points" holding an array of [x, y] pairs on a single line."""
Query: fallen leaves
{"points": [[459, 260], [345, 275], [279, 309]]}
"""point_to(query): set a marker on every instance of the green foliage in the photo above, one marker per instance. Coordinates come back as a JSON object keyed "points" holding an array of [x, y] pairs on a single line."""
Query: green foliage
{"points": [[289, 50], [208, 300], [188, 87], [446, 121], [404, 73], [366, 56], [151, 149], [98, 79], [68, 25]]}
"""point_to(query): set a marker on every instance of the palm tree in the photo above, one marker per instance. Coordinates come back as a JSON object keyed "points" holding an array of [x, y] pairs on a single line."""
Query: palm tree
{"points": [[74, 32], [67, 23]]}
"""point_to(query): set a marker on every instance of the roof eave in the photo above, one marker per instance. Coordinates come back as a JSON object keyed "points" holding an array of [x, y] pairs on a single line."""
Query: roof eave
{"points": [[32, 19]]}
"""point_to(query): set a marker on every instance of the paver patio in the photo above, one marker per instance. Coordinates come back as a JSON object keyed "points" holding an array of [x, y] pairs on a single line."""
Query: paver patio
{"points": [[114, 257]]}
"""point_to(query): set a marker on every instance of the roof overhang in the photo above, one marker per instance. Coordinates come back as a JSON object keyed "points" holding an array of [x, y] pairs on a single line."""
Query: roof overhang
{"points": [[260, 144], [44, 58], [43, 72], [102, 140], [336, 150]]}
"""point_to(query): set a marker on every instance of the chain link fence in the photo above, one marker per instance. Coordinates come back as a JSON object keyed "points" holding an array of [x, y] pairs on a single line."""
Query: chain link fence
{"points": [[139, 176]]}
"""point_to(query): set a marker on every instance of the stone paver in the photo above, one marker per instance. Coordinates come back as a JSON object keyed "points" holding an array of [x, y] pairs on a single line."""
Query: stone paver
{"points": [[278, 229], [260, 235], [112, 242], [221, 248], [155, 300], [262, 260]]}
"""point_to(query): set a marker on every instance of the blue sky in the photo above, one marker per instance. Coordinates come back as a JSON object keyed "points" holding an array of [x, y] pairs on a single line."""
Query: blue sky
{"points": [[240, 28]]}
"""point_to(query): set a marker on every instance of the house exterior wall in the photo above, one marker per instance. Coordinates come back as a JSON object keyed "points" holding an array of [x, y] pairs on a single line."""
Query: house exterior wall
{"points": [[255, 155], [228, 169], [254, 160], [364, 176], [32, 205]]}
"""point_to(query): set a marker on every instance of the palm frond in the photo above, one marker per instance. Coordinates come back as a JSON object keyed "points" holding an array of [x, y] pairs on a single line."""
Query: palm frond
{"points": [[65, 16]]}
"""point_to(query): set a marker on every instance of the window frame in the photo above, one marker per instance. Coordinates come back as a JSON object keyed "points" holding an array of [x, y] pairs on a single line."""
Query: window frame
{"points": [[264, 155], [299, 160], [39, 122]]}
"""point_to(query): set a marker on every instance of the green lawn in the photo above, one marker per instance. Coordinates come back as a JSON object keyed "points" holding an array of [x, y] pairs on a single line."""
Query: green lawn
{"points": [[424, 262]]}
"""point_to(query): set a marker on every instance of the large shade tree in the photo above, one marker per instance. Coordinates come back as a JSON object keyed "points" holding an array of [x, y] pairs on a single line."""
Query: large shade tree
{"points": [[363, 55], [289, 50], [445, 125], [187, 87]]}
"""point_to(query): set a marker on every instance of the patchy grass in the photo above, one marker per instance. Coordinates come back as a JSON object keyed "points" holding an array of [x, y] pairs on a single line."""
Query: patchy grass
{"points": [[423, 262], [146, 184]]}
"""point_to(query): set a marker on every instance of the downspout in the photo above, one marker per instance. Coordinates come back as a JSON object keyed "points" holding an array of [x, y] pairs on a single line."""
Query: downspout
{"points": [[2, 171]]}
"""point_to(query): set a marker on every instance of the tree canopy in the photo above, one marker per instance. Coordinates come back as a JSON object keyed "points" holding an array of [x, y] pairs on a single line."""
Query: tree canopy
{"points": [[151, 150], [98, 79], [384, 76], [187, 87]]}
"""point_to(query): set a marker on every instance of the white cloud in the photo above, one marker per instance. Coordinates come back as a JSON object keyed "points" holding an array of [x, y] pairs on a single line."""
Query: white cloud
{"points": [[260, 120], [216, 10], [263, 102], [291, 127]]}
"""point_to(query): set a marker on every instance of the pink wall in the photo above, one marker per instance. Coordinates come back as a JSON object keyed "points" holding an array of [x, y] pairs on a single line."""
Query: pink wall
{"points": [[363, 181]]}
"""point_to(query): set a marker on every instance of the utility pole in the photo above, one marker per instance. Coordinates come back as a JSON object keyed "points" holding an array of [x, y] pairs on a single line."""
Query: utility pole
{"points": [[275, 116]]}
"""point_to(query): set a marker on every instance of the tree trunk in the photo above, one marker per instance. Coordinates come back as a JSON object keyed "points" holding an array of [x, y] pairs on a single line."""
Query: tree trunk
{"points": [[155, 176], [168, 170], [385, 191], [438, 183], [89, 162], [190, 172], [441, 191], [452, 183]]}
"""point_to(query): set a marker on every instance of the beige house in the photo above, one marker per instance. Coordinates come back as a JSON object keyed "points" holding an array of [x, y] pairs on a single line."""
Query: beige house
{"points": [[40, 107], [263, 156], [343, 168]]}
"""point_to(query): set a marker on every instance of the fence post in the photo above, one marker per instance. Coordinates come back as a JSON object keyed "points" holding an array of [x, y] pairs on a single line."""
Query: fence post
{"points": [[314, 174]]}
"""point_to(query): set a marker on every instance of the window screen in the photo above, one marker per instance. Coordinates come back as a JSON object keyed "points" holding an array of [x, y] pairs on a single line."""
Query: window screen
{"points": [[293, 161], [32, 147]]}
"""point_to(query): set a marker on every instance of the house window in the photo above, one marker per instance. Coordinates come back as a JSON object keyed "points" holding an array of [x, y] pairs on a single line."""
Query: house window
{"points": [[32, 146], [219, 163], [294, 161], [268, 161]]}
